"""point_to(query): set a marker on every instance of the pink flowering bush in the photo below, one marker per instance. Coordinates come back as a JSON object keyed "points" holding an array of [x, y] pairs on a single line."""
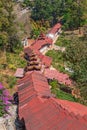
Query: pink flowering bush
{"points": [[4, 100]]}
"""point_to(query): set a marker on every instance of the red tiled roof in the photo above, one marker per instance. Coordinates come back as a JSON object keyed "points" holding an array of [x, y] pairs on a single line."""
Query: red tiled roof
{"points": [[31, 85], [40, 55], [28, 50], [76, 108], [47, 61], [39, 43], [47, 113], [61, 77], [55, 28], [44, 59]]}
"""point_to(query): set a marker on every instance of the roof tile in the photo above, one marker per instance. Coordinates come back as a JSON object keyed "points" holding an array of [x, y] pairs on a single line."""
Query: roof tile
{"points": [[50, 113]]}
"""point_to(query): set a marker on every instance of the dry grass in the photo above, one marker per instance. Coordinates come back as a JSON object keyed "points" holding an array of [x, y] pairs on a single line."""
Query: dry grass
{"points": [[9, 62]]}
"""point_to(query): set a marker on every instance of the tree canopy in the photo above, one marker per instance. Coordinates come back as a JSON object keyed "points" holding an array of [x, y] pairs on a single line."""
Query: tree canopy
{"points": [[8, 34], [76, 54], [70, 12]]}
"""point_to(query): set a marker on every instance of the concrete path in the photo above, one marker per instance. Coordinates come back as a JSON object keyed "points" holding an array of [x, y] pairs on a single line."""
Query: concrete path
{"points": [[55, 47], [7, 122]]}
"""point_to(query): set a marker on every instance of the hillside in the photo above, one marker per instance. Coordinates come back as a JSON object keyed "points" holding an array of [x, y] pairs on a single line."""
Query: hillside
{"points": [[23, 21], [10, 61]]}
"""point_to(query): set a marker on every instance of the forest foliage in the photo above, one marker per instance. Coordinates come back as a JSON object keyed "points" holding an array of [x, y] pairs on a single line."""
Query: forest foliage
{"points": [[72, 13], [8, 35], [76, 55]]}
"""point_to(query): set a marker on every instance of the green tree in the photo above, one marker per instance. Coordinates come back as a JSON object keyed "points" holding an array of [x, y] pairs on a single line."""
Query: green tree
{"points": [[70, 12], [73, 14], [28, 3], [76, 54], [41, 10], [45, 10], [7, 28], [3, 25]]}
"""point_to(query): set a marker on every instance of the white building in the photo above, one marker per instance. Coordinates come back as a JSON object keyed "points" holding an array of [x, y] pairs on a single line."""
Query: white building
{"points": [[54, 32]]}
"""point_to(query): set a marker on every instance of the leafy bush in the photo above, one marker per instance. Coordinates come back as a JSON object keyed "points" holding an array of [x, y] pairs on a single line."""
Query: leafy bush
{"points": [[37, 28], [61, 68], [63, 95], [58, 90], [1, 108], [54, 84], [15, 61], [12, 66], [57, 60], [63, 41], [77, 57], [1, 104], [11, 81]]}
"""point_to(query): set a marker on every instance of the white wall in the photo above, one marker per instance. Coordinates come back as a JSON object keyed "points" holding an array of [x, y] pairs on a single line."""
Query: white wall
{"points": [[43, 49], [54, 36], [50, 35]]}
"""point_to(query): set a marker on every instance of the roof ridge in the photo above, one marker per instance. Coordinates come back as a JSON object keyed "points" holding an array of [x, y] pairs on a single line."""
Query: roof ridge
{"points": [[33, 82], [40, 97], [66, 112], [20, 80], [77, 116]]}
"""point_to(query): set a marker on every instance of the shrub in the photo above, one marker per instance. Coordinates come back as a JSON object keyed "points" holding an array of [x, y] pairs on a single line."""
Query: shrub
{"points": [[15, 61], [11, 81], [12, 66], [63, 95], [63, 41], [60, 91], [57, 60], [54, 84]]}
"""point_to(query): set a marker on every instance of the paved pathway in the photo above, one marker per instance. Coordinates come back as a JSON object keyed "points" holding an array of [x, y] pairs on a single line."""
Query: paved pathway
{"points": [[7, 123], [11, 118], [55, 47]]}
